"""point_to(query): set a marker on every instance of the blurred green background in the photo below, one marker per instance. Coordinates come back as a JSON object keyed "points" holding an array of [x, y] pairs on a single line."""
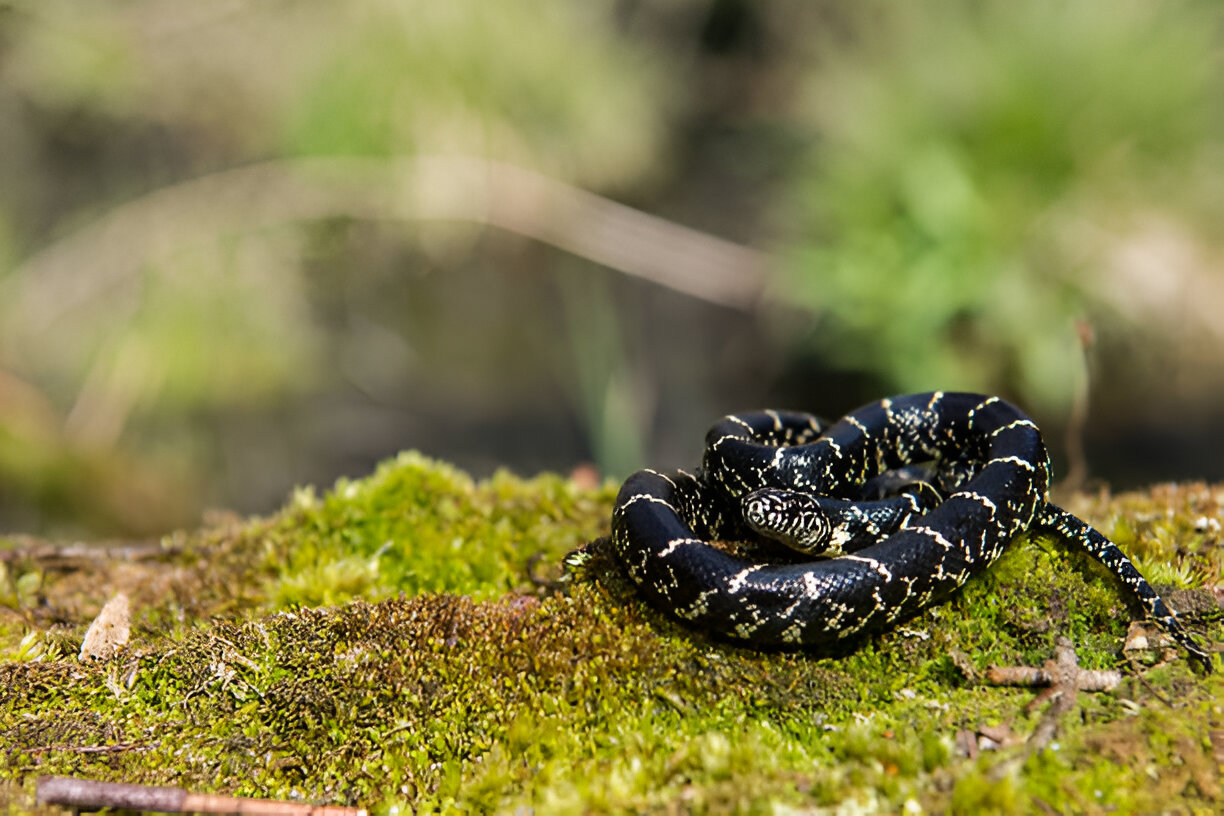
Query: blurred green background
{"points": [[250, 245]]}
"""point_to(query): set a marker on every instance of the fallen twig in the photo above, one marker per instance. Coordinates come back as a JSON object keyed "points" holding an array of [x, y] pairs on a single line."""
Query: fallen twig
{"points": [[1031, 677], [116, 748], [1064, 679], [1077, 470], [89, 794], [1152, 690], [50, 555], [46, 287], [1063, 691]]}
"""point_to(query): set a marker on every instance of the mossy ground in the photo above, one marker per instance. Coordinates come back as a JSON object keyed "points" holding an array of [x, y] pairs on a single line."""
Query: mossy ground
{"points": [[402, 643]]}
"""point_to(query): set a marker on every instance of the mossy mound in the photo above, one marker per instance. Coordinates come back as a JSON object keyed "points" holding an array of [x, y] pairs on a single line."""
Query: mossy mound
{"points": [[405, 642]]}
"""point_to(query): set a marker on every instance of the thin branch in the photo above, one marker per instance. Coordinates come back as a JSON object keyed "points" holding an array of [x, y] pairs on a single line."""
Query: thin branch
{"points": [[50, 556], [1066, 671], [116, 748], [1062, 675], [1077, 459], [87, 794], [111, 251], [1033, 677]]}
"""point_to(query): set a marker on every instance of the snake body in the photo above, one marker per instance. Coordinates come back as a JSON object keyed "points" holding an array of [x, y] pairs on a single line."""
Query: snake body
{"points": [[792, 478]]}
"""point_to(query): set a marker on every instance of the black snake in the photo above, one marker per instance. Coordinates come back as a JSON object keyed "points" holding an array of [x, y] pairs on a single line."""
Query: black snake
{"points": [[910, 495]]}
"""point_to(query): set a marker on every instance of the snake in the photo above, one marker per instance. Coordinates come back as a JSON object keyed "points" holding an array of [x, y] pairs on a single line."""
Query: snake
{"points": [[888, 510]]}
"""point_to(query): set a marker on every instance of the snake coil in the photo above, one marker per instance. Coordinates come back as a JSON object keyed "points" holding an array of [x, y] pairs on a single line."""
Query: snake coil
{"points": [[848, 490]]}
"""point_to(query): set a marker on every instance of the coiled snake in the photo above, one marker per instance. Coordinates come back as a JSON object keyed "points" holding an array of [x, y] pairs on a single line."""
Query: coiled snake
{"points": [[901, 537]]}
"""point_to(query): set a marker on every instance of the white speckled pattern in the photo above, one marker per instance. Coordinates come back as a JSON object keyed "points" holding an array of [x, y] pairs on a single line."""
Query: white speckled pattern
{"points": [[790, 477]]}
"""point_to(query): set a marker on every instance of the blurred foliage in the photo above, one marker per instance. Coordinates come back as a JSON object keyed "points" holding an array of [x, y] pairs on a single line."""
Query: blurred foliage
{"points": [[143, 94], [948, 189], [275, 79], [494, 80], [962, 146]]}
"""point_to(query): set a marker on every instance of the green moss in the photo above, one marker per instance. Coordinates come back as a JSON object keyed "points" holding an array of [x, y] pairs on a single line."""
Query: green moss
{"points": [[419, 526], [447, 672]]}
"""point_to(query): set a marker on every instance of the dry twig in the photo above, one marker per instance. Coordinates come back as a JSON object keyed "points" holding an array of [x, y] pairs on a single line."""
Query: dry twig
{"points": [[88, 794], [1077, 470], [116, 748], [1064, 680], [1062, 691], [48, 286]]}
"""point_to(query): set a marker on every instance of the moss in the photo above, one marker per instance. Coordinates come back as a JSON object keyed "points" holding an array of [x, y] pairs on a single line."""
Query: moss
{"points": [[400, 642]]}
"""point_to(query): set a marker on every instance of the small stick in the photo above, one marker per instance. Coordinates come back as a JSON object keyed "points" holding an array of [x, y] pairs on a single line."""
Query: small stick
{"points": [[1032, 677], [88, 794], [55, 555], [1060, 675], [1065, 671], [1077, 470], [89, 749]]}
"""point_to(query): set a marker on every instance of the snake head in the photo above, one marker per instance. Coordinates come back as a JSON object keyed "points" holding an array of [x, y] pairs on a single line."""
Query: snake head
{"points": [[789, 517]]}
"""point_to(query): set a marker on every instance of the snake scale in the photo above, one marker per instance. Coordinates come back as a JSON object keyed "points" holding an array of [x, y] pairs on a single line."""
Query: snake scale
{"points": [[910, 496]]}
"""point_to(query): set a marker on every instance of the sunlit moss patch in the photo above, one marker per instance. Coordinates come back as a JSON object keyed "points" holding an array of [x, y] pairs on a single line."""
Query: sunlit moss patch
{"points": [[410, 641]]}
